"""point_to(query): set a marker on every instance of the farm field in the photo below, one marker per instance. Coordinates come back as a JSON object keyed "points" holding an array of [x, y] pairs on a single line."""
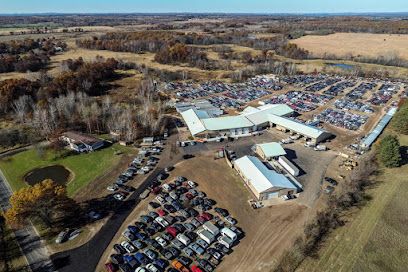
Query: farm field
{"points": [[85, 167], [376, 239], [342, 44]]}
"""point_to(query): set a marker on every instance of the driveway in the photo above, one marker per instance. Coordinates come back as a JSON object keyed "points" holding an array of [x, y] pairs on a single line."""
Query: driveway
{"points": [[30, 243]]}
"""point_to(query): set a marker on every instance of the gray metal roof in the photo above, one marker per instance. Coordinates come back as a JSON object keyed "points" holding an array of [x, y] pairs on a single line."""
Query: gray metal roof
{"points": [[301, 128], [369, 140]]}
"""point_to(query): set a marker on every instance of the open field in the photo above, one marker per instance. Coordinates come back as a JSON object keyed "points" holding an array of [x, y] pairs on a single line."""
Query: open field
{"points": [[376, 239], [85, 167], [357, 44]]}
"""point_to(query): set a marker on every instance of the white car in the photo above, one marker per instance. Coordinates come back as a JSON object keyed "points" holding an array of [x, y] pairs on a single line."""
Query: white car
{"points": [[152, 268], [119, 197], [162, 222], [140, 269], [161, 241], [146, 168], [128, 247], [112, 187], [191, 183]]}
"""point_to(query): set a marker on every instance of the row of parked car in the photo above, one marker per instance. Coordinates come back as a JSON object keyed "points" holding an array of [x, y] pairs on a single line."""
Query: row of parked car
{"points": [[348, 104], [182, 231], [343, 119], [140, 165], [300, 101]]}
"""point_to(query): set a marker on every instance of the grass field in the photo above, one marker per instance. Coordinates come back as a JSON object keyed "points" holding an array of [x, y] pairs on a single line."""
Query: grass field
{"points": [[85, 167], [363, 44], [376, 238]]}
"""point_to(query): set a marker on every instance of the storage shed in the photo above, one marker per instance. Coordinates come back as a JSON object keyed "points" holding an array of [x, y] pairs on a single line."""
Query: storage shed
{"points": [[263, 182], [269, 151]]}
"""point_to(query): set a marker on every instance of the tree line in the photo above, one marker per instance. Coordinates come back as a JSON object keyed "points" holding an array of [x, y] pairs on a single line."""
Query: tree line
{"points": [[27, 55]]}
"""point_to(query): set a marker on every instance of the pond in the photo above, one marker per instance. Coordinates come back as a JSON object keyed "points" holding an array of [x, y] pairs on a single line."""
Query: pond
{"points": [[341, 65], [57, 173]]}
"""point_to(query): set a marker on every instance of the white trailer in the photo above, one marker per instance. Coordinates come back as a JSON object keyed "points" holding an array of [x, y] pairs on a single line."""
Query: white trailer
{"points": [[207, 236], [293, 170], [211, 228]]}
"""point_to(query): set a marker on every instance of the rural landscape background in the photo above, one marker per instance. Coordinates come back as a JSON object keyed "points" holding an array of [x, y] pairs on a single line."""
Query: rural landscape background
{"points": [[122, 80]]}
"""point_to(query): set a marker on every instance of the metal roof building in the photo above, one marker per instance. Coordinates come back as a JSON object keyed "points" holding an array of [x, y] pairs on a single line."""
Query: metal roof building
{"points": [[369, 140], [315, 134], [269, 150], [263, 182], [251, 119]]}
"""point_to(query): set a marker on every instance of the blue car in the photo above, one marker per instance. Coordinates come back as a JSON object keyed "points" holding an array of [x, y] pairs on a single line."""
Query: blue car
{"points": [[141, 258], [141, 236], [131, 261], [133, 229], [162, 264]]}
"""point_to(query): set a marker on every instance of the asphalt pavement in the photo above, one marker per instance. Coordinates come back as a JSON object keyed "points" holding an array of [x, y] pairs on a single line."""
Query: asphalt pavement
{"points": [[30, 243]]}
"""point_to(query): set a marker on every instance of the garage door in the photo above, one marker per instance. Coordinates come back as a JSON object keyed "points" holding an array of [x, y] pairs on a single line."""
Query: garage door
{"points": [[239, 131], [271, 195], [246, 130]]}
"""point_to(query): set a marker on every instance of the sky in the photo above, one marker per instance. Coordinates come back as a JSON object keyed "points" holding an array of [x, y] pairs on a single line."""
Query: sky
{"points": [[197, 6]]}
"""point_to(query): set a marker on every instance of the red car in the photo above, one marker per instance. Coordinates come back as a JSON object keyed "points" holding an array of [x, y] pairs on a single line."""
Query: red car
{"points": [[110, 267], [172, 231], [189, 196], [195, 268], [156, 190], [207, 216], [201, 219], [161, 212]]}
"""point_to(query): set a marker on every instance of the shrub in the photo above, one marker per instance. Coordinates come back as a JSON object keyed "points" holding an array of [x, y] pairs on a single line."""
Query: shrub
{"points": [[389, 152]]}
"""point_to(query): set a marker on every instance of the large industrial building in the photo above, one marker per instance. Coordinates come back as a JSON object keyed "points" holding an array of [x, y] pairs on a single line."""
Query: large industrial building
{"points": [[264, 183], [203, 125]]}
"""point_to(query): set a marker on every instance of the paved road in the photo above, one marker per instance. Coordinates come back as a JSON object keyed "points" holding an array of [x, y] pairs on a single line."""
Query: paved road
{"points": [[30, 243]]}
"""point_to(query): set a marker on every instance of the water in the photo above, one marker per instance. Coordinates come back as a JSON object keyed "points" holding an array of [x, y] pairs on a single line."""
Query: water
{"points": [[57, 173], [341, 65]]}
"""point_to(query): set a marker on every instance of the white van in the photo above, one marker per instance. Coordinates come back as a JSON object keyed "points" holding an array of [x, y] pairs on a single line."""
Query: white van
{"points": [[184, 239], [229, 233]]}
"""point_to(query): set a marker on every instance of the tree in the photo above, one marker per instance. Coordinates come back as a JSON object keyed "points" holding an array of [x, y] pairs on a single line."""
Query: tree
{"points": [[400, 121], [45, 201], [389, 152]]}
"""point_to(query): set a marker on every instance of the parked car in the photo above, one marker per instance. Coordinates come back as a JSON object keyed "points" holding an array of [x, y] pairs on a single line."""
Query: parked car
{"points": [[188, 252], [62, 236], [112, 187], [119, 249], [128, 247], [197, 248], [152, 255], [152, 268], [161, 241], [222, 212], [231, 220]]}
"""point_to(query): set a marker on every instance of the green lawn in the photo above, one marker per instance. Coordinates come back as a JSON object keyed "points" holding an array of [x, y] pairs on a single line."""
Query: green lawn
{"points": [[376, 238], [86, 167]]}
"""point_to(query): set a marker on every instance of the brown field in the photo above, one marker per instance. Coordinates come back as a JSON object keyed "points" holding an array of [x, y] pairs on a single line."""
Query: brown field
{"points": [[357, 44]]}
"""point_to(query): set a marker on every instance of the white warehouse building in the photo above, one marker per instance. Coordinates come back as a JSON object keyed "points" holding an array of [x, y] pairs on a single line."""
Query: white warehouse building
{"points": [[202, 125], [263, 182]]}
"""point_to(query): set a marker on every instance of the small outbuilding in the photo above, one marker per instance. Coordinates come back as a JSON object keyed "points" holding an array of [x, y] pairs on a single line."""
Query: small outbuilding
{"points": [[81, 142], [269, 151]]}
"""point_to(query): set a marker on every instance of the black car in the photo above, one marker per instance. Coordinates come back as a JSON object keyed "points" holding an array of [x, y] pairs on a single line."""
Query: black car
{"points": [[191, 235], [126, 188], [221, 248], [331, 181], [169, 208], [146, 219], [116, 258], [150, 231], [125, 268], [180, 228], [167, 254], [140, 225], [154, 205], [206, 265], [153, 214], [188, 156], [119, 249], [221, 211], [184, 261], [156, 226], [192, 212], [174, 251], [166, 236]]}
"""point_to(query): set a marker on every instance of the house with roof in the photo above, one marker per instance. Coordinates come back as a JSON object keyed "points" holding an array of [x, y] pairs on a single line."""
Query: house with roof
{"points": [[81, 142], [269, 151], [263, 182]]}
